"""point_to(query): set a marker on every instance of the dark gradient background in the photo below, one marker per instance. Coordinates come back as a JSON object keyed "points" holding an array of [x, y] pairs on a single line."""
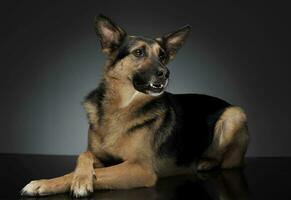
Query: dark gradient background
{"points": [[50, 59]]}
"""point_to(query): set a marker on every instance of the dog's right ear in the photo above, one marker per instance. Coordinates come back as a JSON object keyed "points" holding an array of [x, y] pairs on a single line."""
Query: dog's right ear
{"points": [[109, 34]]}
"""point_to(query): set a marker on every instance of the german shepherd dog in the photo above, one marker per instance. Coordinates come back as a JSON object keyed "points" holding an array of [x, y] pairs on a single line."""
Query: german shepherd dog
{"points": [[137, 131]]}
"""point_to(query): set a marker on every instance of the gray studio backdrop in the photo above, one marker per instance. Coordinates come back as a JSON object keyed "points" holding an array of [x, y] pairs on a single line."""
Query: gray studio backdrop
{"points": [[50, 59]]}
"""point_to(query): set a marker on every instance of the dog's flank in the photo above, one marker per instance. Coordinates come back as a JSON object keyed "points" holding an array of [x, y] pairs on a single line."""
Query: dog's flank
{"points": [[138, 131]]}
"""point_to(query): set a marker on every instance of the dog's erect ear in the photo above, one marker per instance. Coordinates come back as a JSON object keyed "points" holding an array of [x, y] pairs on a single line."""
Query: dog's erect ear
{"points": [[110, 35], [173, 41]]}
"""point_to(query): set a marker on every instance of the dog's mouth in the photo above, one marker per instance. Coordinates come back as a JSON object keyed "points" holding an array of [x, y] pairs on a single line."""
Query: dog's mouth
{"points": [[157, 88], [154, 87]]}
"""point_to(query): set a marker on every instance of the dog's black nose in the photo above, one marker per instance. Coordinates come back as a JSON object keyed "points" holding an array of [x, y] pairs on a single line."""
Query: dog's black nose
{"points": [[163, 72], [160, 73]]}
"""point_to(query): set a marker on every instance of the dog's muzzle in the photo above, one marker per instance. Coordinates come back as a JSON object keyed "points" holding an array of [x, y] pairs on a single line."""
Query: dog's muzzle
{"points": [[157, 88], [152, 82]]}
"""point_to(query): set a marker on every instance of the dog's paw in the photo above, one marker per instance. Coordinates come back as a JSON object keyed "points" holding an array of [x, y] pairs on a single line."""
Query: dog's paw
{"points": [[37, 188], [82, 185]]}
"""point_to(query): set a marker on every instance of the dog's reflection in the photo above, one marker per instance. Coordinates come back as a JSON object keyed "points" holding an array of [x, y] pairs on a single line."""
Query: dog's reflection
{"points": [[222, 185], [228, 185]]}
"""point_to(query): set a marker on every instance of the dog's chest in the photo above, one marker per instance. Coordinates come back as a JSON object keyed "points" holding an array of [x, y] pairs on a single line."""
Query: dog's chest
{"points": [[114, 137], [113, 126], [111, 133]]}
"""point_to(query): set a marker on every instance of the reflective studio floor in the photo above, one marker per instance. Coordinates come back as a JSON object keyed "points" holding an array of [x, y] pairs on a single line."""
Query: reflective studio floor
{"points": [[263, 178]]}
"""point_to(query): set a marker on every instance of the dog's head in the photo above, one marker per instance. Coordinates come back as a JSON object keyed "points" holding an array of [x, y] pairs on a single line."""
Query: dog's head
{"points": [[138, 60]]}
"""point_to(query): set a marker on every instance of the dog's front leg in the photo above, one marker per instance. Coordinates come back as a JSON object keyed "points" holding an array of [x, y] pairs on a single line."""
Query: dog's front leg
{"points": [[79, 181], [82, 182], [48, 186], [125, 175]]}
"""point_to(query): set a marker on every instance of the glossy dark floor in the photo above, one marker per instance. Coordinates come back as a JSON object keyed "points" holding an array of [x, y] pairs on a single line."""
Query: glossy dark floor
{"points": [[263, 178]]}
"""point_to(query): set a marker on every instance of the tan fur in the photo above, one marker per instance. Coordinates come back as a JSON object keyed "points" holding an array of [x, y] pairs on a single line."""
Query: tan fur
{"points": [[155, 49], [91, 112], [231, 121], [230, 141], [123, 69], [115, 120], [121, 176], [125, 175], [82, 179], [48, 186]]}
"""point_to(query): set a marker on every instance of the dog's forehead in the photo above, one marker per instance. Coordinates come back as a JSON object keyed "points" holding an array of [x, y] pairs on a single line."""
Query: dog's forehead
{"points": [[136, 41]]}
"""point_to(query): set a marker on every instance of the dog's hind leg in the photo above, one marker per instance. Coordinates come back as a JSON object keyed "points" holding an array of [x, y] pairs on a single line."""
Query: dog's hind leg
{"points": [[234, 154], [229, 143]]}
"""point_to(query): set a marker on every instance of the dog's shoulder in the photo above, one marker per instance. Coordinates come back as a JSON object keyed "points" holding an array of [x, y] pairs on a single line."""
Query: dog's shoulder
{"points": [[93, 104], [97, 94]]}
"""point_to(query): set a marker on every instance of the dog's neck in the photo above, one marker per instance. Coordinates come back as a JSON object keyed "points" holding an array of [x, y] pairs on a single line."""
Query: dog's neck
{"points": [[122, 93]]}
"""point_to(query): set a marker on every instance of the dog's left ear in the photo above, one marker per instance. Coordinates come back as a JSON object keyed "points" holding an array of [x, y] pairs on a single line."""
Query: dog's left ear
{"points": [[109, 34], [173, 41]]}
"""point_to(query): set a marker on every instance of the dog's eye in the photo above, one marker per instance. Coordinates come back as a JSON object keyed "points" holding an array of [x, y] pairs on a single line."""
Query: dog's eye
{"points": [[139, 53]]}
